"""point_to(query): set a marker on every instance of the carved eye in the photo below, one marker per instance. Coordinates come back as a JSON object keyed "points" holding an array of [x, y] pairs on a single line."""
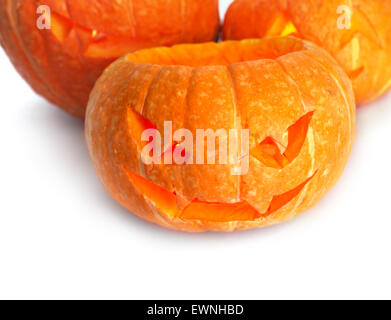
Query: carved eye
{"points": [[269, 153], [95, 43], [139, 124], [360, 24]]}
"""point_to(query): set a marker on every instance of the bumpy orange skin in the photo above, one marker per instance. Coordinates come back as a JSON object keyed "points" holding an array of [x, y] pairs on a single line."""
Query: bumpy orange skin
{"points": [[62, 64], [263, 85], [363, 50]]}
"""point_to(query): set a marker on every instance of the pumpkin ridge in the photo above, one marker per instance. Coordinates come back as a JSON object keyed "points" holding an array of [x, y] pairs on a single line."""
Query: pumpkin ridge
{"points": [[132, 20], [340, 87], [305, 106], [150, 85], [183, 13], [238, 119], [377, 39], [141, 111], [185, 122]]}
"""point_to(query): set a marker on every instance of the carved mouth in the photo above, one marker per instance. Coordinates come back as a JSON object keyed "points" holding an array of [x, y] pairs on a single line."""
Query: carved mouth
{"points": [[167, 202]]}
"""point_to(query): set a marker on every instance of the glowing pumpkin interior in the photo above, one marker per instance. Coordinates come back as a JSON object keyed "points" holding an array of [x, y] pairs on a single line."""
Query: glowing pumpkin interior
{"points": [[282, 26], [223, 54]]}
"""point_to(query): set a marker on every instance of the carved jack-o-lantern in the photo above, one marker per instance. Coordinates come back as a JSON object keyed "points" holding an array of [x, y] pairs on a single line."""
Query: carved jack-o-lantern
{"points": [[356, 32], [63, 50], [295, 101]]}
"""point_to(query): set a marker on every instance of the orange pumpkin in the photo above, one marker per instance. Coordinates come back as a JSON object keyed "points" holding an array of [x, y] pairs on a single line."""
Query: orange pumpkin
{"points": [[294, 99], [62, 63], [356, 32]]}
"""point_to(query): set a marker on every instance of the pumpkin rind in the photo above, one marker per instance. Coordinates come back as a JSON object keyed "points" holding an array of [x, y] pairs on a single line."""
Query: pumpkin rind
{"points": [[269, 85], [363, 49], [63, 63]]}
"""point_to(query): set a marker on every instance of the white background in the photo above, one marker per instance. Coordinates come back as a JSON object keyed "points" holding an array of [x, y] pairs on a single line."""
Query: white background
{"points": [[62, 236]]}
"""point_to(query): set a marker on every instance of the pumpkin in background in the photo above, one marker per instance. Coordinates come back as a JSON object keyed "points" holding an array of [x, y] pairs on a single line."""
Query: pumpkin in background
{"points": [[356, 32], [294, 99], [63, 63]]}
